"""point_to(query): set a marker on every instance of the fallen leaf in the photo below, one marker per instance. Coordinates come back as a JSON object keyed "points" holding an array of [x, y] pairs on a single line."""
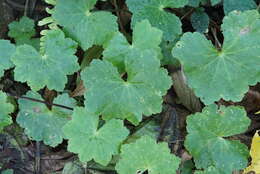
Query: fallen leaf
{"points": [[255, 155]]}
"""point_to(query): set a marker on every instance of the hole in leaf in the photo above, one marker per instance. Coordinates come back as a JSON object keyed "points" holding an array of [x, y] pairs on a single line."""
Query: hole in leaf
{"points": [[124, 76]]}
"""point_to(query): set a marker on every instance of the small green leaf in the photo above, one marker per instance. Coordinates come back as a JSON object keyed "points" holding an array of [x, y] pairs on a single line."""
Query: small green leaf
{"points": [[200, 20], [205, 140], [154, 11], [7, 50], [145, 37], [226, 74], [50, 66], [91, 142], [6, 109], [146, 154], [87, 27], [42, 124], [141, 93], [22, 31], [239, 5]]}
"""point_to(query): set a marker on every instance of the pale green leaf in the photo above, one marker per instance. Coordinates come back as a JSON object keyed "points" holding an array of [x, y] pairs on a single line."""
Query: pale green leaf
{"points": [[145, 37], [240, 5], [141, 93], [146, 154], [50, 66], [6, 52], [91, 142], [5, 109], [214, 2], [205, 140], [81, 23], [42, 124], [226, 74], [154, 11]]}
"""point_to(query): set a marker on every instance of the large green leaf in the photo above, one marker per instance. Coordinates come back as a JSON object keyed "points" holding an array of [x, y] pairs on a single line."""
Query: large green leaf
{"points": [[6, 51], [22, 31], [5, 110], [145, 37], [84, 25], [205, 140], [141, 93], [146, 154], [50, 66], [227, 73], [153, 10], [91, 142], [42, 124]]}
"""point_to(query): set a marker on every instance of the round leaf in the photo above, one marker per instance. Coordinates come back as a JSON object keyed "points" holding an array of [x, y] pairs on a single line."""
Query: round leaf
{"points": [[42, 124], [146, 154], [205, 140], [227, 73]]}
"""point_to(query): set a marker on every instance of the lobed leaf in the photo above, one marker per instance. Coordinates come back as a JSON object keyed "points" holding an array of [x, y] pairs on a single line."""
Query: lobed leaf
{"points": [[226, 74], [5, 109], [141, 93], [145, 154], [90, 141], [50, 66], [205, 140], [145, 37], [82, 24], [42, 124], [154, 11], [6, 52]]}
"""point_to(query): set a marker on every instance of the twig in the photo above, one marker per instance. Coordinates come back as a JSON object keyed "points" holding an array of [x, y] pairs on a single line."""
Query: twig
{"points": [[38, 158], [41, 101], [187, 14], [26, 7]]}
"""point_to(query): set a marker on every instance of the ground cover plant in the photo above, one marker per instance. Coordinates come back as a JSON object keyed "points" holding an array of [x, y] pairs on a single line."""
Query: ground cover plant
{"points": [[129, 86]]}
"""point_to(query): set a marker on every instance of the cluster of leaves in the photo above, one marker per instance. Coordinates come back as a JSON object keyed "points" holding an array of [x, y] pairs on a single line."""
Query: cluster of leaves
{"points": [[213, 73]]}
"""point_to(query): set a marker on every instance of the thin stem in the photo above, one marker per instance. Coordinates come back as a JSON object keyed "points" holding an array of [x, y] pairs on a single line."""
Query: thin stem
{"points": [[41, 101], [218, 45], [38, 158], [119, 17], [26, 7]]}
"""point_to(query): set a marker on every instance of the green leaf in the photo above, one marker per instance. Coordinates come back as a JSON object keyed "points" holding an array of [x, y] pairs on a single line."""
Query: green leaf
{"points": [[205, 140], [200, 20], [22, 31], [194, 3], [42, 124], [145, 37], [53, 63], [240, 5], [91, 142], [6, 109], [227, 73], [146, 154], [141, 93], [215, 2], [153, 10], [6, 51], [87, 27]]}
